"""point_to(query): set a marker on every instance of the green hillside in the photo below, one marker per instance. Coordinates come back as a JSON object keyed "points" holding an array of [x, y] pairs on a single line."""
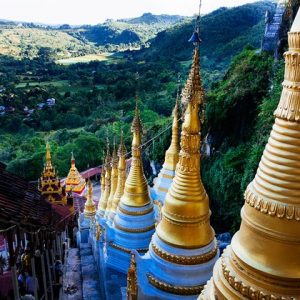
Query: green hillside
{"points": [[224, 33]]}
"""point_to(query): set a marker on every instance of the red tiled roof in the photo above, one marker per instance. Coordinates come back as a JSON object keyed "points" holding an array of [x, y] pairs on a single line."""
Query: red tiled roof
{"points": [[22, 203]]}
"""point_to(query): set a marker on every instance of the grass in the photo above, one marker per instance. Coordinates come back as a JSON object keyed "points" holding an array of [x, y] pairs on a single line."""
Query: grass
{"points": [[86, 59], [62, 86], [56, 83]]}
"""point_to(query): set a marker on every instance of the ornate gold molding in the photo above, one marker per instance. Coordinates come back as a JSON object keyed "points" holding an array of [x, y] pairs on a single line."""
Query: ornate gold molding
{"points": [[134, 230], [272, 208], [244, 289], [185, 260], [178, 290], [141, 250], [136, 213]]}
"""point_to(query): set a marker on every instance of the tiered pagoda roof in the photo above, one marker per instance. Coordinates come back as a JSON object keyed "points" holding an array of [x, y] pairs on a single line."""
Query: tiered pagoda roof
{"points": [[49, 183], [75, 182]]}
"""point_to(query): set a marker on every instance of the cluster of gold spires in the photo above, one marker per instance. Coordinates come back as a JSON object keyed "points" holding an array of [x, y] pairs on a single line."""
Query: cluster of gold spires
{"points": [[136, 188], [186, 216], [89, 208], [263, 261]]}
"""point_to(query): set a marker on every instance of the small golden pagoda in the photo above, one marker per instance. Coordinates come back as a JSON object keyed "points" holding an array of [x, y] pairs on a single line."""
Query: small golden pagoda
{"points": [[102, 180], [106, 192], [165, 177], [114, 181], [132, 287], [263, 261], [75, 182], [49, 183], [172, 154], [89, 207], [121, 177], [136, 188]]}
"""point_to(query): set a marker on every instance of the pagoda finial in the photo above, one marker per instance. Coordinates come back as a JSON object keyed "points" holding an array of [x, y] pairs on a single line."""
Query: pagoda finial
{"points": [[72, 159], [269, 267], [121, 177], [89, 208], [185, 215], [172, 154], [48, 154], [132, 286], [103, 203], [136, 187], [102, 182], [114, 180]]}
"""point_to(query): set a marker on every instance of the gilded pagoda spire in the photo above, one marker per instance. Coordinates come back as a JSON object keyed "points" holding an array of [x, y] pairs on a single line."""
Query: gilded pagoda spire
{"points": [[114, 180], [132, 287], [49, 183], [89, 207], [102, 180], [136, 188], [185, 215], [268, 267], [48, 156], [172, 154], [103, 204], [121, 177]]}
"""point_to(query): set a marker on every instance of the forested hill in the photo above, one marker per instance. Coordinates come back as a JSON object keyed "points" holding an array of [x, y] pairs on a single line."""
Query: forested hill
{"points": [[224, 33], [23, 40]]}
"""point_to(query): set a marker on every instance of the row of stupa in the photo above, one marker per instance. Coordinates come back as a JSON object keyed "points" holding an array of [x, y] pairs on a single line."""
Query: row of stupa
{"points": [[176, 258]]}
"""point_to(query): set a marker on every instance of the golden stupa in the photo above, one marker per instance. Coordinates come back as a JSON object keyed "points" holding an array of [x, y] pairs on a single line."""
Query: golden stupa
{"points": [[49, 183], [75, 182], [89, 207], [263, 261], [106, 191], [114, 181], [102, 180], [136, 188], [121, 177], [185, 215], [172, 154]]}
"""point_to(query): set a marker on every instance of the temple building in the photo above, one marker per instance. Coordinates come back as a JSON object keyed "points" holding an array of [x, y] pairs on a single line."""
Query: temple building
{"points": [[75, 182], [183, 249], [165, 177], [49, 183], [133, 225], [263, 259]]}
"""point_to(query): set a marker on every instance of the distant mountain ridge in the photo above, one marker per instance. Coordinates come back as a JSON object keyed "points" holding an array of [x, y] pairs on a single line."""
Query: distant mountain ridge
{"points": [[149, 18], [167, 35]]}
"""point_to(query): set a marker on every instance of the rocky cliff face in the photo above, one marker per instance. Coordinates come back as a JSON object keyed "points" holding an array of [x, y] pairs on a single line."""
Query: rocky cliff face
{"points": [[278, 25]]}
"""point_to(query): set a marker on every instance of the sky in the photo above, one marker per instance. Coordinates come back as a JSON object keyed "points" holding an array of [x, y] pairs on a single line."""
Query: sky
{"points": [[77, 12]]}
